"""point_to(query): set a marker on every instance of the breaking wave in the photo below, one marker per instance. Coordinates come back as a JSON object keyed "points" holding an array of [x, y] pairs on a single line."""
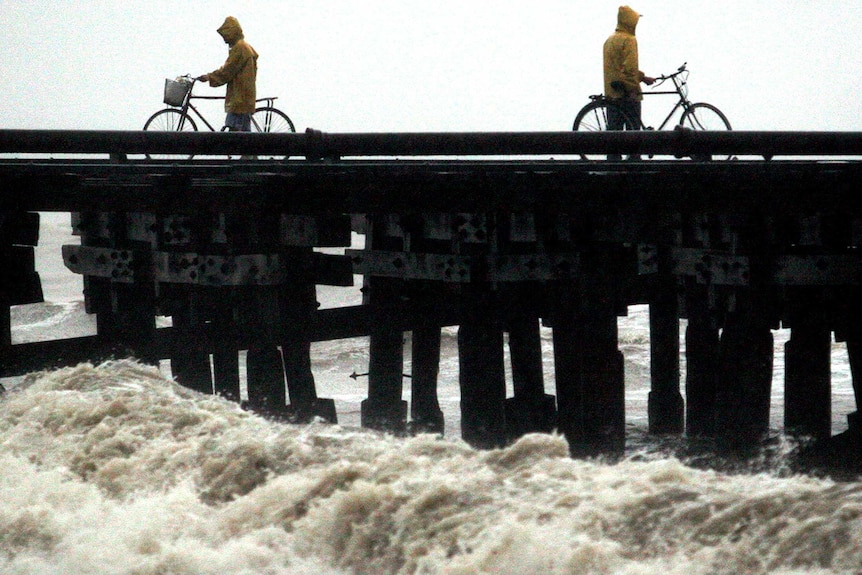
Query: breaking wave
{"points": [[115, 469]]}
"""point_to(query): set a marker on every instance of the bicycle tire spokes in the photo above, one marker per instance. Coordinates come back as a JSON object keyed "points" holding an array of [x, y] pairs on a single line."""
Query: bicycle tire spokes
{"points": [[594, 118], [267, 119], [170, 120]]}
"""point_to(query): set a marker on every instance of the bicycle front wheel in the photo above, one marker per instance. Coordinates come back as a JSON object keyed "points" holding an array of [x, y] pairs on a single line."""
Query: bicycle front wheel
{"points": [[594, 118], [170, 120], [702, 116]]}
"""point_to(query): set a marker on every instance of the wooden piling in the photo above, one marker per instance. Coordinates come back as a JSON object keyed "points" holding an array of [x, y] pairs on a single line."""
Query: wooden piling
{"points": [[298, 302], [384, 409], [530, 410], [589, 366], [602, 371], [807, 370], [482, 379], [567, 370], [190, 362], [5, 322], [745, 378], [701, 358], [666, 407], [259, 307], [603, 383], [854, 355], [425, 413], [225, 356], [265, 376]]}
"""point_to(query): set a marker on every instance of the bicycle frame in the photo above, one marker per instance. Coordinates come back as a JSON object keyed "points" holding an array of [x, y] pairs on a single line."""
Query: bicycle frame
{"points": [[187, 105], [683, 102]]}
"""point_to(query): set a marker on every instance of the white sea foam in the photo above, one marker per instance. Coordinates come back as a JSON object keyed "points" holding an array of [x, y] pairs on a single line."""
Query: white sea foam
{"points": [[114, 469]]}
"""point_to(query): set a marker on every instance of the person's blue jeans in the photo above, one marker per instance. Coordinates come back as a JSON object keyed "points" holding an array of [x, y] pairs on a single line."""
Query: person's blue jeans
{"points": [[624, 115], [238, 122]]}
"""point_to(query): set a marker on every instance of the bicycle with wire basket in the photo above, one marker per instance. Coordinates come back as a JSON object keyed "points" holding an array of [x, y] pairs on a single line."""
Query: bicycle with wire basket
{"points": [[695, 116], [177, 117]]}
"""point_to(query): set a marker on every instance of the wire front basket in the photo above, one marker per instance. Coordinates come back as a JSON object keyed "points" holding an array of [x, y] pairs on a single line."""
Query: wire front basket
{"points": [[177, 90]]}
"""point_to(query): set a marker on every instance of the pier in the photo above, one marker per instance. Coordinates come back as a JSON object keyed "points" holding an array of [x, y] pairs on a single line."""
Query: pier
{"points": [[496, 233]]}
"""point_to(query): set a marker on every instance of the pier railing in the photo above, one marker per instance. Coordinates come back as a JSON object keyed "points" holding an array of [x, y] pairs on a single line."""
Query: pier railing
{"points": [[314, 144]]}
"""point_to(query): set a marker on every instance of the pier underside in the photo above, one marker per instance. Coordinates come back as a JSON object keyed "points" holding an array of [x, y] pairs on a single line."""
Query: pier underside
{"points": [[497, 240]]}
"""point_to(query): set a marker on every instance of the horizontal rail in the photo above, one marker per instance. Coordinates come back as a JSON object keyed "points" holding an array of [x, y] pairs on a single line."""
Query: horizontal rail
{"points": [[323, 325], [314, 144]]}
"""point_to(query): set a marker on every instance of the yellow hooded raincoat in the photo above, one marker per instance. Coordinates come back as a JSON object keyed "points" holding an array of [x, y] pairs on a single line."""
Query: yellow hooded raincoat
{"points": [[622, 70], [239, 71]]}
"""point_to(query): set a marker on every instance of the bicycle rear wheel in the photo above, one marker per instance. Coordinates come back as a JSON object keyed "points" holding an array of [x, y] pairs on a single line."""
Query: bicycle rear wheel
{"points": [[594, 118], [267, 119], [702, 116], [170, 120]]}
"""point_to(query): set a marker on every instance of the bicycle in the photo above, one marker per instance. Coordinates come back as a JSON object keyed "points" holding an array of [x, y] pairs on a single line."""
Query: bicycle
{"points": [[695, 116], [178, 118]]}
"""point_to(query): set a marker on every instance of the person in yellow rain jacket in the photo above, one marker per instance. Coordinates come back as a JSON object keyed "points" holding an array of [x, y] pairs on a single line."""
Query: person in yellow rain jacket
{"points": [[623, 76], [239, 72]]}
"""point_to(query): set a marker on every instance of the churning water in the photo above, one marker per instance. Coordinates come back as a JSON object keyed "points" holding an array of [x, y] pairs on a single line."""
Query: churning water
{"points": [[115, 469]]}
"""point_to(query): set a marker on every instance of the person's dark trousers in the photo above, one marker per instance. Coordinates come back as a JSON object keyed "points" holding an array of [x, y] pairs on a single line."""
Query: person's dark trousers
{"points": [[624, 115]]}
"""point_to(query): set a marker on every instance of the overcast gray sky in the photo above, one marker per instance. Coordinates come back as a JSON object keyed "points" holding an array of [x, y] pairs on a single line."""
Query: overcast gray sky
{"points": [[446, 65]]}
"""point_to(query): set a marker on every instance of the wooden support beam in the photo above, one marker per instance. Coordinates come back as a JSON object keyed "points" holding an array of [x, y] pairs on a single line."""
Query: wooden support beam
{"points": [[190, 362], [567, 370], [482, 380], [746, 351], [425, 413], [602, 371], [589, 366], [5, 326], [854, 356], [666, 407], [701, 354], [265, 376], [603, 384], [384, 409], [745, 379], [19, 279], [297, 307], [225, 355], [807, 369], [530, 410]]}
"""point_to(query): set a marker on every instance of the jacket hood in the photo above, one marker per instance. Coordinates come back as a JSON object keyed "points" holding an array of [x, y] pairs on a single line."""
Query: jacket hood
{"points": [[627, 20], [231, 31]]}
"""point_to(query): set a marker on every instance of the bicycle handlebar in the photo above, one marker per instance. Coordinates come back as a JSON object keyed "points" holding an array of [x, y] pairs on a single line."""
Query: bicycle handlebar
{"points": [[193, 80], [664, 78], [679, 71]]}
